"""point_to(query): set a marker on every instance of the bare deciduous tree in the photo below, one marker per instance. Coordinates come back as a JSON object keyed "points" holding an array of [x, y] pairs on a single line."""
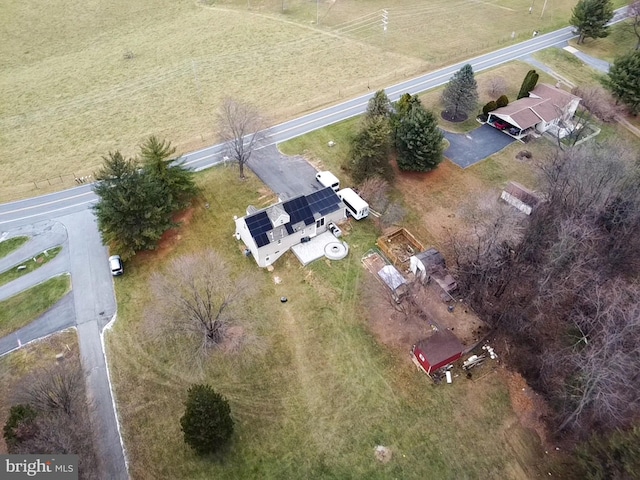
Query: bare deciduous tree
{"points": [[375, 191], [392, 215], [240, 126], [598, 102], [564, 291], [198, 296], [62, 424], [56, 389], [497, 86]]}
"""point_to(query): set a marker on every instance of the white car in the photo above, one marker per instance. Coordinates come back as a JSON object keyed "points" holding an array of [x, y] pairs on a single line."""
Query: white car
{"points": [[116, 266]]}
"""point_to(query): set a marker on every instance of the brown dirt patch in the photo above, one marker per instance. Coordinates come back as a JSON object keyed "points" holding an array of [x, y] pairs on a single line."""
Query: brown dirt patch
{"points": [[527, 404], [436, 196], [399, 331]]}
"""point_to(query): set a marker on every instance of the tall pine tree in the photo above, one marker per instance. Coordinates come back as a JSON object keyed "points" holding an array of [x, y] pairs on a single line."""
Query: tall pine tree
{"points": [[460, 96], [369, 153], [158, 162], [132, 212], [528, 84], [417, 136], [624, 80], [590, 17], [379, 105]]}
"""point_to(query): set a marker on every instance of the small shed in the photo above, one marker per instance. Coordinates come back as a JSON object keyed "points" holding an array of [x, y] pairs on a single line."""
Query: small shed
{"points": [[436, 351], [392, 277], [394, 280], [519, 197], [425, 263], [431, 264]]}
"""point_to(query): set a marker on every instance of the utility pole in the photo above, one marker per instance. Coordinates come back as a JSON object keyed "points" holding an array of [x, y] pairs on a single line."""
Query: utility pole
{"points": [[543, 7], [385, 20], [317, 7]]}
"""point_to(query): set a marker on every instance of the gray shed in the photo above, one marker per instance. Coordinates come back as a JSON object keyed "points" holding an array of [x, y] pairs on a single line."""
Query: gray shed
{"points": [[431, 264]]}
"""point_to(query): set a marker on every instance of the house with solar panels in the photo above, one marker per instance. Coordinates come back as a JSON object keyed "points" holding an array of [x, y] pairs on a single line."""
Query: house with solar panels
{"points": [[271, 232]]}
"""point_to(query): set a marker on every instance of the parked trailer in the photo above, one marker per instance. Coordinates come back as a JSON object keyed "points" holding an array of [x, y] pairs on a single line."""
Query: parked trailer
{"points": [[356, 206]]}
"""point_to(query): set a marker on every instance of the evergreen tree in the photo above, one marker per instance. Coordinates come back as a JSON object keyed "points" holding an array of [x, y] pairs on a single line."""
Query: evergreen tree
{"points": [[502, 101], [158, 161], [624, 80], [590, 17], [528, 84], [417, 136], [207, 424], [460, 96], [20, 426], [379, 105], [132, 212], [369, 154], [489, 107]]}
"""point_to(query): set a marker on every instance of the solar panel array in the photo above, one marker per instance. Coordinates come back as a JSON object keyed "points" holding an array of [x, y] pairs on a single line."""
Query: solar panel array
{"points": [[299, 211], [324, 201], [259, 224]]}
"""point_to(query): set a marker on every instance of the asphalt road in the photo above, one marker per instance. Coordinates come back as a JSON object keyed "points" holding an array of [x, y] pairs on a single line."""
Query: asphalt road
{"points": [[79, 198], [89, 307]]}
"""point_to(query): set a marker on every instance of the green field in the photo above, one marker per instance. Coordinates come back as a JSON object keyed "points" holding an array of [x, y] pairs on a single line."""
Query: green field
{"points": [[103, 76]]}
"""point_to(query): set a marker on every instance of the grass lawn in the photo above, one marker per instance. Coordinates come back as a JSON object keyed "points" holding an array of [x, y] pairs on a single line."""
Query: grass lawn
{"points": [[620, 40], [31, 265], [22, 309], [569, 66], [121, 71], [17, 365], [8, 246], [312, 391]]}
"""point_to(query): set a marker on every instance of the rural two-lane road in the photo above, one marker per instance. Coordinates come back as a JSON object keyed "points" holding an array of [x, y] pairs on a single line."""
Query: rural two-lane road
{"points": [[79, 198]]}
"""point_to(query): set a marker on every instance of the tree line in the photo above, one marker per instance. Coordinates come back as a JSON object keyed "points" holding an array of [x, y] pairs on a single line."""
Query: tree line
{"points": [[562, 286]]}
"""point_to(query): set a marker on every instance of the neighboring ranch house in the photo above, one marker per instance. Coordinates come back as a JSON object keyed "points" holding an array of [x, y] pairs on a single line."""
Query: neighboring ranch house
{"points": [[547, 108], [436, 351], [270, 232]]}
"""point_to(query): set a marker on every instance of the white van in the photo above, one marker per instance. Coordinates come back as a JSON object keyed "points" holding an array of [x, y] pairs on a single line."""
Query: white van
{"points": [[356, 206], [328, 179]]}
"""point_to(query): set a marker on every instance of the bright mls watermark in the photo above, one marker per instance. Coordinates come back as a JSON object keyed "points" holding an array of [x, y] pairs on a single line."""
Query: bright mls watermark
{"points": [[51, 467]]}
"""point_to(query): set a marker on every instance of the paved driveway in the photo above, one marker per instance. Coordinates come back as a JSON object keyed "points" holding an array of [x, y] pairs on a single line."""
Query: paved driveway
{"points": [[287, 176], [470, 148]]}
